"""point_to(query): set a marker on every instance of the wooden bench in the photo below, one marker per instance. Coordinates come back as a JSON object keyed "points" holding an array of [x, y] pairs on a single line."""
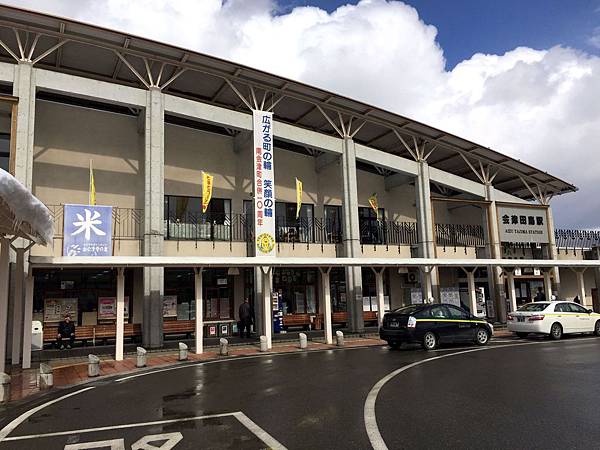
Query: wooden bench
{"points": [[85, 333], [296, 320], [186, 327], [370, 316], [339, 317]]}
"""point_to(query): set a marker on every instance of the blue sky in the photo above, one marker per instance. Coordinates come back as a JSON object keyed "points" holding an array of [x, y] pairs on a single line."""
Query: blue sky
{"points": [[466, 27]]}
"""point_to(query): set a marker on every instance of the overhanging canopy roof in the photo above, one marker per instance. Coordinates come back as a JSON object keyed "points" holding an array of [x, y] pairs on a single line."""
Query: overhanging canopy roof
{"points": [[239, 261], [104, 54]]}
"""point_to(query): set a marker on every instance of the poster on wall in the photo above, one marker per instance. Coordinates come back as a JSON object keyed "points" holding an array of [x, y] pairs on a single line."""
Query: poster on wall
{"points": [[416, 296], [87, 230], [170, 306], [264, 183], [386, 302], [56, 308], [450, 295], [366, 303], [522, 224], [107, 308]]}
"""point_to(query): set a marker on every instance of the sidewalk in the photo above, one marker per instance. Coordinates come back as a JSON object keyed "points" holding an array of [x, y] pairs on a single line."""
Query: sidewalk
{"points": [[24, 383]]}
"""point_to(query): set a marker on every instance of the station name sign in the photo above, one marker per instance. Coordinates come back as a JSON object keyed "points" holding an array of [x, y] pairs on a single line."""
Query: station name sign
{"points": [[523, 224]]}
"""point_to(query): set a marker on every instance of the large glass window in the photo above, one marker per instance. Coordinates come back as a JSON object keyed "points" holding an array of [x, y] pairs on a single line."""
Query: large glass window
{"points": [[333, 222], [184, 218], [371, 225], [290, 229], [4, 151], [298, 289], [337, 287]]}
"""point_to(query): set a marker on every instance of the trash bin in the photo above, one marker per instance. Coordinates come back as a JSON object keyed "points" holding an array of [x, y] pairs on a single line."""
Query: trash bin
{"points": [[37, 335]]}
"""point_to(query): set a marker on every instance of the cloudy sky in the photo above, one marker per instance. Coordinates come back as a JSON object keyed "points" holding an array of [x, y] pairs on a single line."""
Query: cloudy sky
{"points": [[520, 77]]}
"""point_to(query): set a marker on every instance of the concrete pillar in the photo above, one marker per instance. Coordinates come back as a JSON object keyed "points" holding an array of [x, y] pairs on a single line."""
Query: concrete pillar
{"points": [[496, 253], [553, 253], [548, 283], [24, 88], [472, 293], [581, 286], [425, 226], [199, 310], [351, 236], [379, 290], [266, 306], [258, 296], [27, 319], [327, 304], [17, 322], [120, 313], [4, 281], [512, 294], [152, 332]]}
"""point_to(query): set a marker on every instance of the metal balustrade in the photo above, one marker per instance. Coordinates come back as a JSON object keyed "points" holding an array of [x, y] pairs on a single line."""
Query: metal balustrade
{"points": [[388, 232], [457, 235], [576, 239]]}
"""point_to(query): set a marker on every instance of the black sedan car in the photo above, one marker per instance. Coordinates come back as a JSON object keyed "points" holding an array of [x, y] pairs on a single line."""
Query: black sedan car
{"points": [[433, 324]]}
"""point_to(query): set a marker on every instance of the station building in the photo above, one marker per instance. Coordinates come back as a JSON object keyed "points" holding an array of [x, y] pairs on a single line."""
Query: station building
{"points": [[152, 118]]}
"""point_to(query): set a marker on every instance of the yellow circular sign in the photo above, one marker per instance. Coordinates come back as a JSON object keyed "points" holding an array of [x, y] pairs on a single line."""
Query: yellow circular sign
{"points": [[265, 242]]}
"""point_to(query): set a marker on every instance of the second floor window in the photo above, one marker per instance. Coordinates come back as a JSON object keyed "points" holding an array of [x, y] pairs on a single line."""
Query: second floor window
{"points": [[185, 220], [371, 225]]}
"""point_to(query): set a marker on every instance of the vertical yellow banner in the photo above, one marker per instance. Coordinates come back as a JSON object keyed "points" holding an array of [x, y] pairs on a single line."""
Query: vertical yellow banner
{"points": [[92, 196], [374, 204], [298, 197], [207, 186]]}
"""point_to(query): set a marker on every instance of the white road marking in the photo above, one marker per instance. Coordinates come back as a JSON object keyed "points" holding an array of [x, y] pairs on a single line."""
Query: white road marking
{"points": [[26, 415], [261, 434], [369, 416]]}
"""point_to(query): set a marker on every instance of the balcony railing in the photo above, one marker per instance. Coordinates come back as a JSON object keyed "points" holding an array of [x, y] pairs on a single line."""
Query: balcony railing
{"points": [[308, 230], [576, 239], [455, 235], [128, 223], [387, 232]]}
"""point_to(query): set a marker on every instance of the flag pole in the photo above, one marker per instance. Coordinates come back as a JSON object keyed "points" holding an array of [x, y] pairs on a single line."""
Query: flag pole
{"points": [[90, 185]]}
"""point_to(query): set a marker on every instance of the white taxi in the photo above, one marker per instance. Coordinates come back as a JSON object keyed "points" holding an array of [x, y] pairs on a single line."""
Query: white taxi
{"points": [[554, 319]]}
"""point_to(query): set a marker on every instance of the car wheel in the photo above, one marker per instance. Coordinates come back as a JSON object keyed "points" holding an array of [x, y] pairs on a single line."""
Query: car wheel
{"points": [[522, 334], [597, 328], [394, 345], [482, 336], [429, 341], [556, 331]]}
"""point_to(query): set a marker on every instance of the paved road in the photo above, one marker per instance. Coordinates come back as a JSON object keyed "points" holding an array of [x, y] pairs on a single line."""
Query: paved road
{"points": [[540, 395]]}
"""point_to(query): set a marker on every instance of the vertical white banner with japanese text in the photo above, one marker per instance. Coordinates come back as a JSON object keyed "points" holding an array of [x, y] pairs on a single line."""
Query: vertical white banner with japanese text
{"points": [[264, 184]]}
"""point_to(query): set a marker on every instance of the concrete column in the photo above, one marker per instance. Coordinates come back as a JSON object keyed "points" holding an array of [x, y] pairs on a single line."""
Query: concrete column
{"points": [[327, 304], [120, 313], [266, 306], [17, 322], [472, 293], [24, 88], [512, 294], [425, 226], [4, 275], [152, 327], [351, 236], [199, 310], [27, 319], [581, 286], [553, 252], [547, 283], [379, 290], [496, 253]]}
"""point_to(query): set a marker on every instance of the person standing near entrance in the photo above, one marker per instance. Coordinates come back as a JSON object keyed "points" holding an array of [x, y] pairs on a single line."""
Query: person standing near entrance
{"points": [[245, 313], [66, 330], [540, 296]]}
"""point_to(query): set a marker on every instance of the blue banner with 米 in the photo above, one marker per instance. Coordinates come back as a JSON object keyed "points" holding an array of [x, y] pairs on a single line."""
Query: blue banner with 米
{"points": [[87, 230]]}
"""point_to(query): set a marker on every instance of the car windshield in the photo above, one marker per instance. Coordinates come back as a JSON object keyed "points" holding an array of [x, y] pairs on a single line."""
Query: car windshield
{"points": [[537, 306], [408, 309]]}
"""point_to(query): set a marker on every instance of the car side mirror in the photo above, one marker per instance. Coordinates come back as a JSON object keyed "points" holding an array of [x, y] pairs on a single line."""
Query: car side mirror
{"points": [[590, 311]]}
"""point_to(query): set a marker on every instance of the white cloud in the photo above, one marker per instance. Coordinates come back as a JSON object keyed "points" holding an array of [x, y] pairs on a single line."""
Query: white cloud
{"points": [[537, 105]]}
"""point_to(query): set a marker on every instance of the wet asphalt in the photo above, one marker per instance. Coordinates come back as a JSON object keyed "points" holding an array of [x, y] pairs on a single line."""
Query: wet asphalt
{"points": [[541, 395]]}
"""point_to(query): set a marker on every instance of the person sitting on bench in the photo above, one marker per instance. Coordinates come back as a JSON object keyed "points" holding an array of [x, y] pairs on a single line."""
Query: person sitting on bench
{"points": [[66, 330]]}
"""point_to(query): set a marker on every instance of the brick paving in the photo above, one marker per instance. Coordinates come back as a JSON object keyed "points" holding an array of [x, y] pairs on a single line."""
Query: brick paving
{"points": [[66, 372]]}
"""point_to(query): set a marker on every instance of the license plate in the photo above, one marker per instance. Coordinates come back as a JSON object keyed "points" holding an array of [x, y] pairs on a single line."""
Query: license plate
{"points": [[394, 325], [520, 319]]}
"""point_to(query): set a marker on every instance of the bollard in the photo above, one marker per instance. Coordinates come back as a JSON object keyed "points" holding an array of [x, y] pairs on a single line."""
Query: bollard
{"points": [[339, 338], [4, 387], [303, 342], [93, 365], [46, 380], [223, 350], [263, 344], [141, 357], [183, 352]]}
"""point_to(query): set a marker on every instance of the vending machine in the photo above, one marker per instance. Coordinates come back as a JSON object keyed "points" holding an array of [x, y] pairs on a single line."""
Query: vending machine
{"points": [[277, 312]]}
